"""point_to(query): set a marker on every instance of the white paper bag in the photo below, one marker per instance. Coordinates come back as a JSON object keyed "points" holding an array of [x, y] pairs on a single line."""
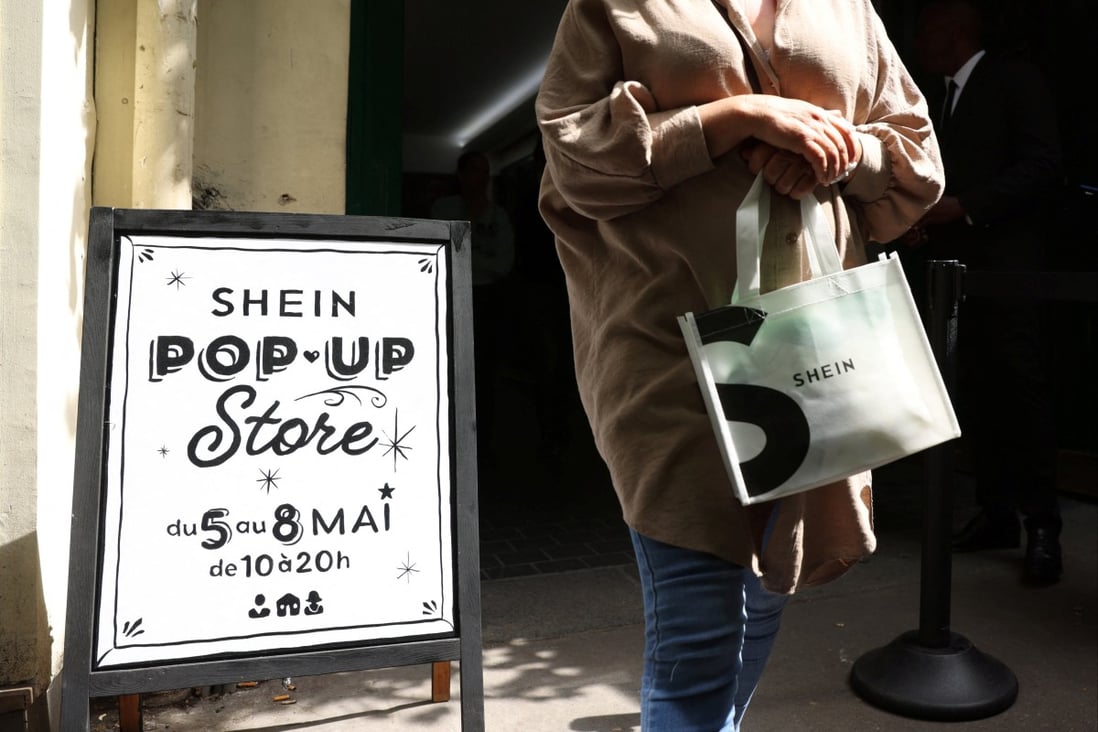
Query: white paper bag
{"points": [[819, 380]]}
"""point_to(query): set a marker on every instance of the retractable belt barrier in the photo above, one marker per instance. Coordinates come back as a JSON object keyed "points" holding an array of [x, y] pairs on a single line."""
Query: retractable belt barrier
{"points": [[933, 672]]}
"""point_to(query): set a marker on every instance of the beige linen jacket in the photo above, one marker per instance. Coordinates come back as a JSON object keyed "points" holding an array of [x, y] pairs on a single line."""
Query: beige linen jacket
{"points": [[645, 227]]}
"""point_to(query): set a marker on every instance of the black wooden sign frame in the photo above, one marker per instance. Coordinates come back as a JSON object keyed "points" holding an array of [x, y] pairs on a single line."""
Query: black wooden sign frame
{"points": [[80, 680]]}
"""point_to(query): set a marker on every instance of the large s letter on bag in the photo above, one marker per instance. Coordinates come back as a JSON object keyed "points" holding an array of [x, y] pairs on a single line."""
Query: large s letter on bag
{"points": [[814, 382]]}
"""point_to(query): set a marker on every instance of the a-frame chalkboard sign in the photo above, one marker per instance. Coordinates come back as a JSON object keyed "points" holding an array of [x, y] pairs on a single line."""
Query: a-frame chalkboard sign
{"points": [[275, 459]]}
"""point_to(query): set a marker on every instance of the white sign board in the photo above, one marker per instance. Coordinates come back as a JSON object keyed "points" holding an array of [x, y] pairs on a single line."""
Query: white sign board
{"points": [[278, 463]]}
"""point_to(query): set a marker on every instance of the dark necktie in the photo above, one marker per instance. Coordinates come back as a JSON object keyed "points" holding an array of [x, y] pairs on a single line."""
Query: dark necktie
{"points": [[947, 108]]}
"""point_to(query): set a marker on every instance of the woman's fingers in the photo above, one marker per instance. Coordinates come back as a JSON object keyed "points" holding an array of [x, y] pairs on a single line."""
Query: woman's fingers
{"points": [[824, 139], [803, 185], [782, 171], [853, 146], [838, 150], [849, 133], [786, 172], [758, 155], [800, 145], [822, 155], [836, 138]]}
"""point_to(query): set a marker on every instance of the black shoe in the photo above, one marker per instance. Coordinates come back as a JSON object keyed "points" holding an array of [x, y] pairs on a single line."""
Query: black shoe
{"points": [[984, 533], [1044, 561]]}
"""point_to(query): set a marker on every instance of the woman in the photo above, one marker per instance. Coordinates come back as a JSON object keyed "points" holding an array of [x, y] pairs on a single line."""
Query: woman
{"points": [[652, 138]]}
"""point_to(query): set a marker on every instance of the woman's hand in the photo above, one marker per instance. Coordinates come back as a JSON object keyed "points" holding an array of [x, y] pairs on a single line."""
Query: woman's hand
{"points": [[824, 140], [786, 172]]}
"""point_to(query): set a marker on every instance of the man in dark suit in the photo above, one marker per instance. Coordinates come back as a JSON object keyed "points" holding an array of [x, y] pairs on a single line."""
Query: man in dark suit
{"points": [[998, 134]]}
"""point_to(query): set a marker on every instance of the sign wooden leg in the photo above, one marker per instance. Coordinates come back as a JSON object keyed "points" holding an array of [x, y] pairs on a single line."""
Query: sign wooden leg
{"points": [[440, 681], [129, 713]]}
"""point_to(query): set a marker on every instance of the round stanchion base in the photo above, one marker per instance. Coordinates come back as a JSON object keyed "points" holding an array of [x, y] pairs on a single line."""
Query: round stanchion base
{"points": [[952, 684]]}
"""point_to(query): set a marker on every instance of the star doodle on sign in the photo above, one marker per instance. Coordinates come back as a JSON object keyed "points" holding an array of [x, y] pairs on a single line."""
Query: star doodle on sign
{"points": [[269, 480], [407, 569], [395, 444], [177, 279], [163, 451], [386, 492]]}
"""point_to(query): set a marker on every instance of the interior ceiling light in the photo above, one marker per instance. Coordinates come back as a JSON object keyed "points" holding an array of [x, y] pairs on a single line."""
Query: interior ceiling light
{"points": [[503, 105]]}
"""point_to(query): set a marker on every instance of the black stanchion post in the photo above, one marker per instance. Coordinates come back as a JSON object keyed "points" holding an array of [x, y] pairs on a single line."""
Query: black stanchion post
{"points": [[934, 673], [944, 293]]}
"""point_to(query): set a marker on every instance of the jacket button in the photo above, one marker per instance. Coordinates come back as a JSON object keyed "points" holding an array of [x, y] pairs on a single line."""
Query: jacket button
{"points": [[791, 238]]}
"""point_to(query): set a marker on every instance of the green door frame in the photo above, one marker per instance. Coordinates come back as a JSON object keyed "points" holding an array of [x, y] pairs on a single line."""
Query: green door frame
{"points": [[375, 87]]}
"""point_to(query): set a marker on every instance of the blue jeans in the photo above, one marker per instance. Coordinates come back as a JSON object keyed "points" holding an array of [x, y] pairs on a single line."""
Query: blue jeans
{"points": [[709, 628]]}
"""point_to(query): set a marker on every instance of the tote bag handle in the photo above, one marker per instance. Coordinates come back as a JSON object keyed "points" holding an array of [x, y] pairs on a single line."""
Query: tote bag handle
{"points": [[751, 220]]}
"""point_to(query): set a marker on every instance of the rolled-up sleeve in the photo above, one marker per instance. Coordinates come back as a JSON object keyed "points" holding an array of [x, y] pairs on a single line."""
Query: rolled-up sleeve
{"points": [[609, 148]]}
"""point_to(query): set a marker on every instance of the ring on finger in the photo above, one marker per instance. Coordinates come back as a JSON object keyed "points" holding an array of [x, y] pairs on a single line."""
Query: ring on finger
{"points": [[845, 175]]}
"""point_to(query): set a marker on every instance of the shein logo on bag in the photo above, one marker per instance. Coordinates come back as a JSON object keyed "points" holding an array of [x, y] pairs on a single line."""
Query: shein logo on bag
{"points": [[777, 414], [823, 371]]}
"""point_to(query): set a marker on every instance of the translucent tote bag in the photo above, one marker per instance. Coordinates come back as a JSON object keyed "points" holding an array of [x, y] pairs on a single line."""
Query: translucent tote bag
{"points": [[820, 380]]}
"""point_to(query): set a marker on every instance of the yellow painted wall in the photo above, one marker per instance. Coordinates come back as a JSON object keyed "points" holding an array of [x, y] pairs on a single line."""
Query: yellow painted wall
{"points": [[271, 105], [144, 81]]}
